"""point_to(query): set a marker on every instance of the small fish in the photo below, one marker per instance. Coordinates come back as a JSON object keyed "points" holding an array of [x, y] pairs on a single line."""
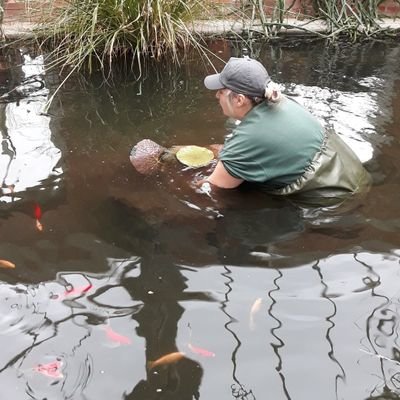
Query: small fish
{"points": [[200, 351], [39, 226], [37, 211], [6, 264], [38, 215], [255, 308], [76, 291], [170, 358], [116, 337], [52, 369]]}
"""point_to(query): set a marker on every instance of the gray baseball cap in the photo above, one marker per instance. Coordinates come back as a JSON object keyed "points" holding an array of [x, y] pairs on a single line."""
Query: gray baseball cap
{"points": [[242, 75]]}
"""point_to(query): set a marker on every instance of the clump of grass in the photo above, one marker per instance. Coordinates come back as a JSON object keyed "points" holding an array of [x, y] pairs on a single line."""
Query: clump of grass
{"points": [[352, 17], [98, 35], [85, 33]]}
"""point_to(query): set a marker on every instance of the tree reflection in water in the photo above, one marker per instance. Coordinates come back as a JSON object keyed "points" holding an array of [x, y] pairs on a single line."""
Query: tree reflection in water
{"points": [[382, 335], [160, 287], [29, 157]]}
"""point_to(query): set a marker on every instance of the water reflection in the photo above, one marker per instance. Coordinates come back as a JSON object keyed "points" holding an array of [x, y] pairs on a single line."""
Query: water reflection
{"points": [[341, 376], [306, 324], [128, 269], [61, 321], [98, 327], [343, 85], [29, 157], [160, 286], [324, 316], [381, 341]]}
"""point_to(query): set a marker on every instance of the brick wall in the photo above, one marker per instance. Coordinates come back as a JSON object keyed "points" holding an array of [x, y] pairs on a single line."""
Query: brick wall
{"points": [[389, 8], [27, 10], [32, 10]]}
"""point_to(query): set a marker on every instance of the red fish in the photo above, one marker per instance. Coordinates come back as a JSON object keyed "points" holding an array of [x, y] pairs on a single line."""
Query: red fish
{"points": [[76, 291], [116, 337], [200, 351], [52, 369], [38, 211], [38, 215]]}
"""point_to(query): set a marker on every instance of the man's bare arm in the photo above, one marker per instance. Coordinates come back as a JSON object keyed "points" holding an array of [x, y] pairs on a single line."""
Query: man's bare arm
{"points": [[221, 178]]}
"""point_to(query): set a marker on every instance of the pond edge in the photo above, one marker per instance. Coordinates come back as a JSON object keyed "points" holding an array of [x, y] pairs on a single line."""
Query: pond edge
{"points": [[291, 26]]}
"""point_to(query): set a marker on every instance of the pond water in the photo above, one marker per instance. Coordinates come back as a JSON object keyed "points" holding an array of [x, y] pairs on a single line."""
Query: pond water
{"points": [[250, 297]]}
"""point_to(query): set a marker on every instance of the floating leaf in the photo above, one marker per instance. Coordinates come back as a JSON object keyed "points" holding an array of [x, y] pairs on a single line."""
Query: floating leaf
{"points": [[195, 156]]}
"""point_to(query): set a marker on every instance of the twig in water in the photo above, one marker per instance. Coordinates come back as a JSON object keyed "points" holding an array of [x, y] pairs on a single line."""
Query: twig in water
{"points": [[380, 356]]}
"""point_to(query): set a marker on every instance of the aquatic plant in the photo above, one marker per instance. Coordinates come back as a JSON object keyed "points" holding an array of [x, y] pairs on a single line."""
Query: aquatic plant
{"points": [[101, 35], [352, 18], [194, 156], [94, 34]]}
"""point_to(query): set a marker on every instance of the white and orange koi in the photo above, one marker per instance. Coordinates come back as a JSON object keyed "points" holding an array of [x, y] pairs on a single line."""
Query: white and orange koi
{"points": [[38, 215], [255, 308], [6, 264]]}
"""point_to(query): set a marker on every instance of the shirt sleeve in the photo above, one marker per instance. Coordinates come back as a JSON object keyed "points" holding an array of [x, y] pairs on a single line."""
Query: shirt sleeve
{"points": [[241, 158]]}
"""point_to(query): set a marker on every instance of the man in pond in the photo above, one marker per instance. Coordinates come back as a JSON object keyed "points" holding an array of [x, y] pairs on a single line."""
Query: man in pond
{"points": [[277, 144]]}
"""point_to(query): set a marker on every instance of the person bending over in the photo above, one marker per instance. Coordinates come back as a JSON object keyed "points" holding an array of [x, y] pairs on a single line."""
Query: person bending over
{"points": [[278, 145]]}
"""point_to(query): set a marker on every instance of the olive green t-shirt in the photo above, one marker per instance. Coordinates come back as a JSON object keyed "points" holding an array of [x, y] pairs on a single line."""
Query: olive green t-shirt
{"points": [[273, 144]]}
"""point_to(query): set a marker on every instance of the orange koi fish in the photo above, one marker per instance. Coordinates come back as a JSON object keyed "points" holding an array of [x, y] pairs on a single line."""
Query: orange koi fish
{"points": [[6, 264], [255, 308], [200, 351], [52, 369], [170, 358], [76, 291], [38, 215], [116, 337]]}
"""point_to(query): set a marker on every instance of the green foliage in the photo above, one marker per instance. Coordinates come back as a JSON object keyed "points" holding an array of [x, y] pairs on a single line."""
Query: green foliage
{"points": [[88, 34], [352, 18]]}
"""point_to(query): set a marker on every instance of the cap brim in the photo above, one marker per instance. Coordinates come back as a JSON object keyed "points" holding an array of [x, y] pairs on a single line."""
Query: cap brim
{"points": [[213, 82]]}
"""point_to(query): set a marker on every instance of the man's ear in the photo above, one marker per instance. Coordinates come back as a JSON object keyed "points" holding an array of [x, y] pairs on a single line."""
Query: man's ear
{"points": [[242, 100]]}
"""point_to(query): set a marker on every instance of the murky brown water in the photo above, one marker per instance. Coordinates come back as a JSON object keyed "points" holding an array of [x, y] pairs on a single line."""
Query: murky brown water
{"points": [[266, 299]]}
